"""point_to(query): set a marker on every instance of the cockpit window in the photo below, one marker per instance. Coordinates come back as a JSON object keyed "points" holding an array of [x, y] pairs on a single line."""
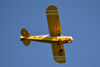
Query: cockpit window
{"points": [[56, 35]]}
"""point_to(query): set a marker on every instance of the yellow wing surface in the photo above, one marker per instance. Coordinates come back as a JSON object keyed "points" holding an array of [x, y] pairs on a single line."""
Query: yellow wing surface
{"points": [[54, 29], [53, 20], [58, 52]]}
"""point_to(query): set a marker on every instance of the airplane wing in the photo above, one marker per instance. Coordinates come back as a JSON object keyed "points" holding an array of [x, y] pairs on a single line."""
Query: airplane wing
{"points": [[58, 52], [53, 20]]}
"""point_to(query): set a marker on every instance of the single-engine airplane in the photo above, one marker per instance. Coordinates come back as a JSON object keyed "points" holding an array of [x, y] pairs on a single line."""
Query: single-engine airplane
{"points": [[55, 37]]}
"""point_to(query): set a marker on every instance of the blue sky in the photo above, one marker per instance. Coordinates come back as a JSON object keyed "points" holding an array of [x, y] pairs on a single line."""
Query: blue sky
{"points": [[79, 18]]}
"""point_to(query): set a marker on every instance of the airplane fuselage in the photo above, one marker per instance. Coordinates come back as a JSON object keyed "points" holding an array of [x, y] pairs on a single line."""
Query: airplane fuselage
{"points": [[55, 37], [50, 39]]}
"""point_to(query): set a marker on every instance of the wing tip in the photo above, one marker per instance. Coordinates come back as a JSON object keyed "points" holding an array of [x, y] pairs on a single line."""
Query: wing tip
{"points": [[60, 60], [52, 7]]}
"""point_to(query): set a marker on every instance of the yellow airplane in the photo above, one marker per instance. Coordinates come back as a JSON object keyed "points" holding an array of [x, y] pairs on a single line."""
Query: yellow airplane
{"points": [[55, 37]]}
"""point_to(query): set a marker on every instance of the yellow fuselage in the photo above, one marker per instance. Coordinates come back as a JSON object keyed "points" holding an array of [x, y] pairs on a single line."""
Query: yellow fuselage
{"points": [[50, 39]]}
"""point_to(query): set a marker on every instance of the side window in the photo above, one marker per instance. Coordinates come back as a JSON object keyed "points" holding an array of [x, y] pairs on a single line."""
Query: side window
{"points": [[59, 35], [55, 35]]}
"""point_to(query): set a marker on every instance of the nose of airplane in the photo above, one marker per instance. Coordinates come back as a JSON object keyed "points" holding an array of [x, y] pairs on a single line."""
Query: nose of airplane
{"points": [[72, 39]]}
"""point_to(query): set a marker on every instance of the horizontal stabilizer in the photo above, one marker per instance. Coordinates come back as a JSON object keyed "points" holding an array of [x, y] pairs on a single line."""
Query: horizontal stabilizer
{"points": [[25, 34]]}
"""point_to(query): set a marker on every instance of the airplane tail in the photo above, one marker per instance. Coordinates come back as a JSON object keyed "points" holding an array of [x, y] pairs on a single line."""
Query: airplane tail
{"points": [[25, 34]]}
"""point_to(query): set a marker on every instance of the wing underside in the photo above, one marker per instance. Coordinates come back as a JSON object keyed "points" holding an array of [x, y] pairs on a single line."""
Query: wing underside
{"points": [[58, 52], [53, 20], [55, 29]]}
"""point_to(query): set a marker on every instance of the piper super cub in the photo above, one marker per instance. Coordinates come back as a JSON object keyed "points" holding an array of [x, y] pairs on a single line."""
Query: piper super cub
{"points": [[55, 37]]}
